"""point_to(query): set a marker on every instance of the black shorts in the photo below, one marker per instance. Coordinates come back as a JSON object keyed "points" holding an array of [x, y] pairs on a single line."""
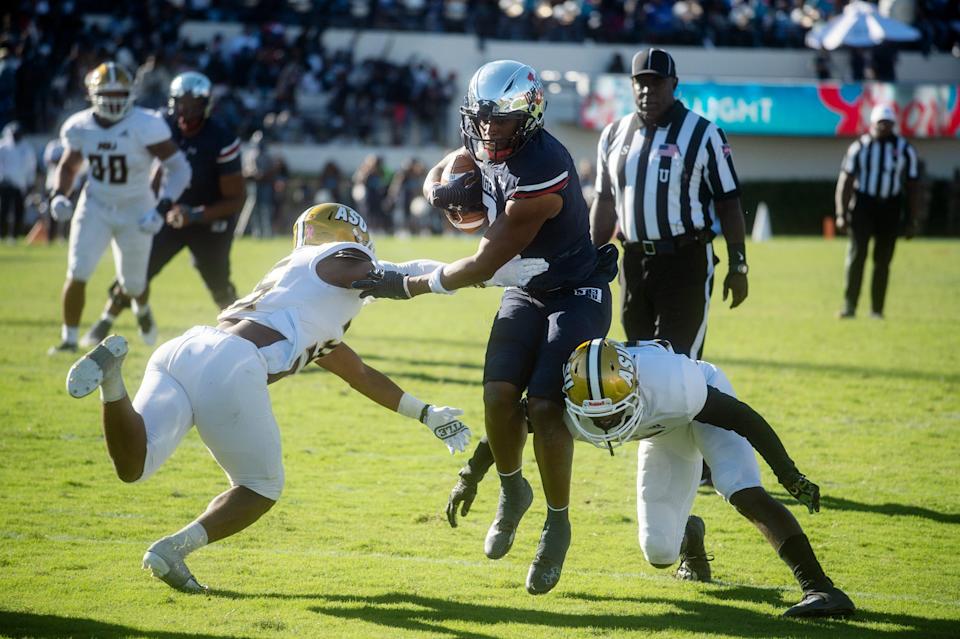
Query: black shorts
{"points": [[533, 335]]}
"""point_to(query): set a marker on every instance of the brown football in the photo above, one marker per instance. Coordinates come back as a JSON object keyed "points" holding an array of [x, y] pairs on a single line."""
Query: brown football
{"points": [[466, 221]]}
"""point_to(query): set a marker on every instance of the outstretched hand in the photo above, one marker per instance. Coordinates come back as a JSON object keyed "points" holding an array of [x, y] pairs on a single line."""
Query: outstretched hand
{"points": [[444, 423], [383, 284]]}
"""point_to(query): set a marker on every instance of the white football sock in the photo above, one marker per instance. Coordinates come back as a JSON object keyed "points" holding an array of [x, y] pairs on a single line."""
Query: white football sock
{"points": [[69, 334], [107, 317], [139, 309], [190, 538], [112, 388]]}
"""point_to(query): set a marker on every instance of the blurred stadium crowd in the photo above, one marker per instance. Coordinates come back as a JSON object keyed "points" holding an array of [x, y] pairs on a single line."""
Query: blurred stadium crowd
{"points": [[274, 87]]}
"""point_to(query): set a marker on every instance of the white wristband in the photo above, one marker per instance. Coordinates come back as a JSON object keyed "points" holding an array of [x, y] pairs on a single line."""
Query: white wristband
{"points": [[411, 407], [436, 285]]}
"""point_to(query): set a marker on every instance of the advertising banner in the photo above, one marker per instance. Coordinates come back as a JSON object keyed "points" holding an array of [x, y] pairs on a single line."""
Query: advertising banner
{"points": [[811, 109]]}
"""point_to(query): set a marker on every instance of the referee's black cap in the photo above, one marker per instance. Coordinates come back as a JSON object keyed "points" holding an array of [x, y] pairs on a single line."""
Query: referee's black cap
{"points": [[654, 62]]}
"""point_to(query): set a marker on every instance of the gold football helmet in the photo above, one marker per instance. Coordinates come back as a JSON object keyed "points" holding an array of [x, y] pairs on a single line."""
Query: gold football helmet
{"points": [[110, 89], [602, 393], [330, 222]]}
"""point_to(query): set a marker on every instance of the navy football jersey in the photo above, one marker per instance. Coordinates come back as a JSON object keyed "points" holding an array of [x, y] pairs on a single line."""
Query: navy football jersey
{"points": [[544, 166], [212, 152]]}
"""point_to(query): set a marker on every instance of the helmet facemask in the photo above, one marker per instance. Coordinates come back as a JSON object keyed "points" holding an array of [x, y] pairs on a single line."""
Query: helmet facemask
{"points": [[110, 89], [190, 100], [486, 148], [602, 393], [498, 92]]}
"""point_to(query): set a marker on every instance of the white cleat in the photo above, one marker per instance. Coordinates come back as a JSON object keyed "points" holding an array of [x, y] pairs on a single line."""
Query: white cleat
{"points": [[89, 371], [165, 562]]}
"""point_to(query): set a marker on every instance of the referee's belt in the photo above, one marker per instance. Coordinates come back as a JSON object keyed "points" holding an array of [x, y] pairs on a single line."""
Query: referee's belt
{"points": [[667, 246]]}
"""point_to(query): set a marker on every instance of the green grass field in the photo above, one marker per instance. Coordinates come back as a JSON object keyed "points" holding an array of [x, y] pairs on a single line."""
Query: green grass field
{"points": [[358, 545]]}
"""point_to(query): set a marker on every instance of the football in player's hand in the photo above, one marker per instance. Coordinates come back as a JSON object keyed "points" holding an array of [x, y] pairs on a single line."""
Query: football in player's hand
{"points": [[469, 221]]}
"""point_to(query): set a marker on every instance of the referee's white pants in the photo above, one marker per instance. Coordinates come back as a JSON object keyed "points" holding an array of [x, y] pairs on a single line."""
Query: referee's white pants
{"points": [[668, 474], [217, 381]]}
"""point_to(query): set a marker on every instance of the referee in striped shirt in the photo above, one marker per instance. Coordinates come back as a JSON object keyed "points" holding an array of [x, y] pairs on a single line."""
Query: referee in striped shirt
{"points": [[665, 175], [868, 203]]}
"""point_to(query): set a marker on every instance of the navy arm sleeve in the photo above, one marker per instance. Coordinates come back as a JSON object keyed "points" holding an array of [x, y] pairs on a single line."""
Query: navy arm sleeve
{"points": [[726, 411]]}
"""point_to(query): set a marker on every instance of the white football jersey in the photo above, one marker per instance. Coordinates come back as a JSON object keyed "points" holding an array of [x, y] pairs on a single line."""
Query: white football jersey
{"points": [[119, 163], [673, 388], [292, 300]]}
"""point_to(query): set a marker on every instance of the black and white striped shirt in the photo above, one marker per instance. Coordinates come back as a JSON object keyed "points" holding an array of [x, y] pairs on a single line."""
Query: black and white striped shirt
{"points": [[878, 165], [664, 179]]}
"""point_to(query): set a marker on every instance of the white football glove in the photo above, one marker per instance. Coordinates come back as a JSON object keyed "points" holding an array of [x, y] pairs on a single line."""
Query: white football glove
{"points": [[61, 208], [445, 425], [151, 222], [518, 271]]}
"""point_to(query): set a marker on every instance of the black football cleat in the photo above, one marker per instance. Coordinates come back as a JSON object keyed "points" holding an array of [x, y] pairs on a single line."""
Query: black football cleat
{"points": [[828, 602], [694, 560], [62, 347], [510, 511], [147, 328], [547, 564]]}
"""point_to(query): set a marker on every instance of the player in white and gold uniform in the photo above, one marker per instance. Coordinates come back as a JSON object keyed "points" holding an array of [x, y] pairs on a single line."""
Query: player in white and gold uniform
{"points": [[683, 412], [119, 142], [216, 379]]}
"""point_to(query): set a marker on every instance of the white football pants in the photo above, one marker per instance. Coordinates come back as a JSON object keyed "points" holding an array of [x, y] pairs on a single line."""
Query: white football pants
{"points": [[217, 381], [97, 224], [668, 474]]}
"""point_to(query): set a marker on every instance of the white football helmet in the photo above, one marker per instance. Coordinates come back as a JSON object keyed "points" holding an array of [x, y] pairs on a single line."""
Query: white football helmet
{"points": [[602, 393], [110, 90]]}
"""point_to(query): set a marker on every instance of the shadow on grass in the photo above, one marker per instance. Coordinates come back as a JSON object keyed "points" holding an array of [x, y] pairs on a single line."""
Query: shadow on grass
{"points": [[28, 624], [846, 370], [829, 502], [435, 616], [477, 365], [423, 377]]}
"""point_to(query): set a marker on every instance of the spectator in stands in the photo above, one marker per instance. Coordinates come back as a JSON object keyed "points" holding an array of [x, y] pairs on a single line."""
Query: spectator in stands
{"points": [[18, 170], [261, 168], [406, 185], [153, 78], [369, 191]]}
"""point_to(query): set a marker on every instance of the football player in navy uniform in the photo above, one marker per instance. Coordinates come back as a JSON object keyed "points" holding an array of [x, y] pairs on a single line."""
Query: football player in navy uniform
{"points": [[682, 411], [534, 204], [205, 215]]}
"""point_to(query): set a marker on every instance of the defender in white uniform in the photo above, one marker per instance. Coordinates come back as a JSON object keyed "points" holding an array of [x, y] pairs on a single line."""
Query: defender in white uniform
{"points": [[683, 412], [119, 143], [216, 379]]}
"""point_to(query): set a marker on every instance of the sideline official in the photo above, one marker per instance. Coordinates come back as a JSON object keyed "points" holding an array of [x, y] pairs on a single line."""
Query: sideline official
{"points": [[878, 168], [665, 175]]}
